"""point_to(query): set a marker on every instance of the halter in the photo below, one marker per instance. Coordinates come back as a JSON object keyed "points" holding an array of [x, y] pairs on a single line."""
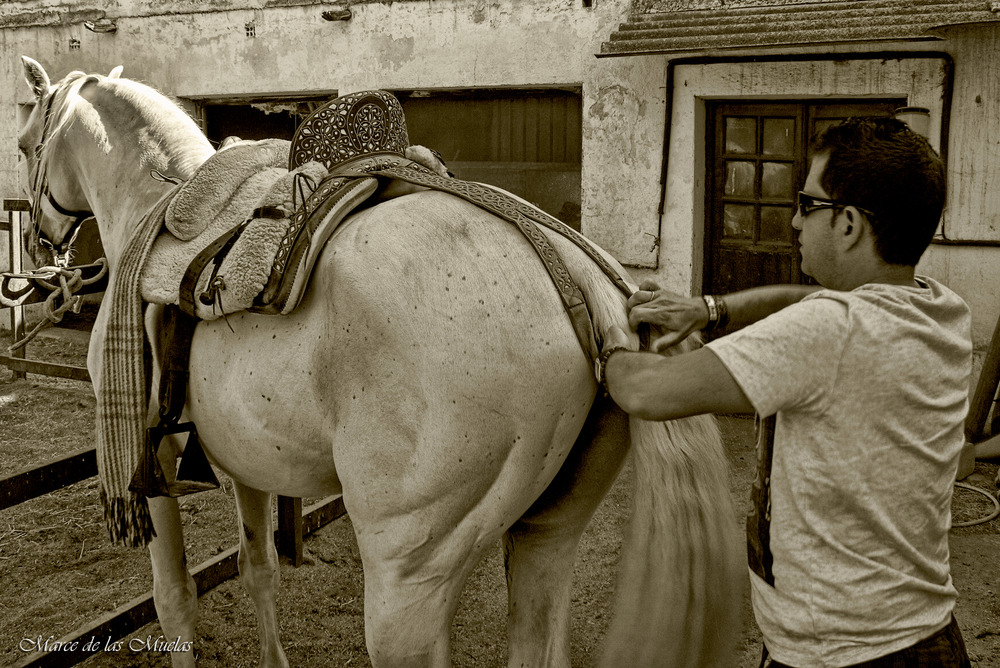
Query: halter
{"points": [[40, 189]]}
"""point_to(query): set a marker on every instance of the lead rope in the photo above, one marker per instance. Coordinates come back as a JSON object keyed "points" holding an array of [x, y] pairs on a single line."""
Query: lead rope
{"points": [[70, 281]]}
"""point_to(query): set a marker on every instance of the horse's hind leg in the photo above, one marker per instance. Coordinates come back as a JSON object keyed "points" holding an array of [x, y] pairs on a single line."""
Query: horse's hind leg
{"points": [[410, 603], [258, 563], [540, 548], [415, 568]]}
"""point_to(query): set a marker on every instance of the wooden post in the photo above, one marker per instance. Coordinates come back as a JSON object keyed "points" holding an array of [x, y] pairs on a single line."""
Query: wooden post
{"points": [[289, 541], [986, 391], [16, 208]]}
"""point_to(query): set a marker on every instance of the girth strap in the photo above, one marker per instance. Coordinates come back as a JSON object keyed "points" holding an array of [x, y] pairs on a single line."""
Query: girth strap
{"points": [[214, 253]]}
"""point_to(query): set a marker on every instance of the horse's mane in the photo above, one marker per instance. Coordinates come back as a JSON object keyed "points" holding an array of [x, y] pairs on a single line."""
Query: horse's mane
{"points": [[184, 146]]}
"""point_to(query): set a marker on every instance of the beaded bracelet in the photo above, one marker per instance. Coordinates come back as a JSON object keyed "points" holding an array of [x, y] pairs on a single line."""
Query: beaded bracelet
{"points": [[602, 362]]}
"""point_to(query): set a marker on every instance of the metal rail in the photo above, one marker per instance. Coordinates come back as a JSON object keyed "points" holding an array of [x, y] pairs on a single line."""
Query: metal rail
{"points": [[15, 208]]}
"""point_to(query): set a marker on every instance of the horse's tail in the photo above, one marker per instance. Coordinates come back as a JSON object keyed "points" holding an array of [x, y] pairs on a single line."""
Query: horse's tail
{"points": [[678, 592], [677, 598]]}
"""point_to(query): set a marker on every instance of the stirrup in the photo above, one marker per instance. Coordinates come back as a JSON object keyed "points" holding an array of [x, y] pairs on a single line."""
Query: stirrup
{"points": [[194, 472]]}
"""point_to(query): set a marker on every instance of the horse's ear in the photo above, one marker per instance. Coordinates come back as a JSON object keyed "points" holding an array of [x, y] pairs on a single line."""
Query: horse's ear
{"points": [[116, 73], [36, 77]]}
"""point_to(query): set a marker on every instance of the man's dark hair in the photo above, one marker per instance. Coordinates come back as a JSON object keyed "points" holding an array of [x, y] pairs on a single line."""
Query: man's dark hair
{"points": [[879, 164]]}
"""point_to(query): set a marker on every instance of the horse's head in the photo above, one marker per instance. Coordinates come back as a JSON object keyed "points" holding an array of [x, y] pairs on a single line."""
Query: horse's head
{"points": [[58, 204], [93, 146]]}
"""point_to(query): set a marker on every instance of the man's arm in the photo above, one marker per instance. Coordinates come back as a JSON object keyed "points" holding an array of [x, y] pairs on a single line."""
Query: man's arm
{"points": [[655, 387], [676, 317]]}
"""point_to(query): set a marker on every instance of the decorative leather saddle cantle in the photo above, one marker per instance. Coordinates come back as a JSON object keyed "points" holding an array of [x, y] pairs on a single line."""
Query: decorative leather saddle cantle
{"points": [[367, 124], [349, 136], [366, 129]]}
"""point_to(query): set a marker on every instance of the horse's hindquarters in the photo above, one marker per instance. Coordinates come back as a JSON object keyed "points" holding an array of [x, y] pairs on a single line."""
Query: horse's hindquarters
{"points": [[431, 360]]}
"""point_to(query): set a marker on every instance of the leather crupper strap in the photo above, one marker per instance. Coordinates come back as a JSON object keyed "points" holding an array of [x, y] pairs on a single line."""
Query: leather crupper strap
{"points": [[331, 193], [526, 218]]}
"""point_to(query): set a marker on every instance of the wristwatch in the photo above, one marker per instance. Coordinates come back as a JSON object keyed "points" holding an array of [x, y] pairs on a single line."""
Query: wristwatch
{"points": [[718, 312]]}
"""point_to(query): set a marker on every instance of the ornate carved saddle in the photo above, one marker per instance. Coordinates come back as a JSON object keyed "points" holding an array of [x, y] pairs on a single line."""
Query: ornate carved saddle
{"points": [[361, 128]]}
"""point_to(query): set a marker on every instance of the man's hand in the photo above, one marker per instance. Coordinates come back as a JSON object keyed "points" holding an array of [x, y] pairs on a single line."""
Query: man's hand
{"points": [[615, 337], [672, 317]]}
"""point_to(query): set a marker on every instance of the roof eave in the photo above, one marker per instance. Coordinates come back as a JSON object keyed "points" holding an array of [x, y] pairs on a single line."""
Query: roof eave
{"points": [[730, 49]]}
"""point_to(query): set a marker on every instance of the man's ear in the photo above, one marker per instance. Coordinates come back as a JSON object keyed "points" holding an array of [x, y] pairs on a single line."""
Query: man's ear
{"points": [[853, 226]]}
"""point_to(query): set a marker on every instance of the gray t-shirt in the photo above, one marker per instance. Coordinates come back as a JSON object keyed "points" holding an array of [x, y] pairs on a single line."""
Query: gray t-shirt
{"points": [[849, 540]]}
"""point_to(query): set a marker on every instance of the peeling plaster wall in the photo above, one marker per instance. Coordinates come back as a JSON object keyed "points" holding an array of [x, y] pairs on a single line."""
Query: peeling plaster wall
{"points": [[974, 158], [624, 117], [407, 44], [972, 211]]}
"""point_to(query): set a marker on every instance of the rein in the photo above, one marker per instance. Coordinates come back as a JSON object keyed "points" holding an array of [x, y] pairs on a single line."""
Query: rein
{"points": [[63, 285]]}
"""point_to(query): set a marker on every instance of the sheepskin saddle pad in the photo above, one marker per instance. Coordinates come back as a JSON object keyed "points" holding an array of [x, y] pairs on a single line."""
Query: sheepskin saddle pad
{"points": [[247, 187]]}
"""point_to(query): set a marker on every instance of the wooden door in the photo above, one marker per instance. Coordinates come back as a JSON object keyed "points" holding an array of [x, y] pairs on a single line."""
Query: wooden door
{"points": [[528, 142], [757, 161]]}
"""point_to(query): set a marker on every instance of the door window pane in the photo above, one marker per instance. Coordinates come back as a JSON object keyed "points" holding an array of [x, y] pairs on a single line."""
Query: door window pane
{"points": [[779, 136], [739, 178], [738, 221], [776, 224], [741, 135], [777, 181]]}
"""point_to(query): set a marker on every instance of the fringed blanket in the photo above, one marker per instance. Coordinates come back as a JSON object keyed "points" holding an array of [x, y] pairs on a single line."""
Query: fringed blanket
{"points": [[121, 389]]}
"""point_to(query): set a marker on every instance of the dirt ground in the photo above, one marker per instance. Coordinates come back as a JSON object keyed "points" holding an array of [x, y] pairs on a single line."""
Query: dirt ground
{"points": [[59, 570]]}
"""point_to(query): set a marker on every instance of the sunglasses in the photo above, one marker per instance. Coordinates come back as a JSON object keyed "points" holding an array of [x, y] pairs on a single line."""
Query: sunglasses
{"points": [[807, 204]]}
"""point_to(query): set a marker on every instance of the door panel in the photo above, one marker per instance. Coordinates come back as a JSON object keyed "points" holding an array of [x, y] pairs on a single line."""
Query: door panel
{"points": [[526, 141]]}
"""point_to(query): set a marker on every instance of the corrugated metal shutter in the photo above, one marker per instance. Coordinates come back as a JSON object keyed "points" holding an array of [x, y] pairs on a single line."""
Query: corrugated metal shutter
{"points": [[525, 141]]}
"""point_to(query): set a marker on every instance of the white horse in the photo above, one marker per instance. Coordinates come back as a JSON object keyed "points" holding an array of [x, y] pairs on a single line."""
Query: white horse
{"points": [[431, 376]]}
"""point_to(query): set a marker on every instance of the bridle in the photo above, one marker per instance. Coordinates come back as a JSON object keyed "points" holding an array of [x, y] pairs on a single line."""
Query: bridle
{"points": [[40, 190]]}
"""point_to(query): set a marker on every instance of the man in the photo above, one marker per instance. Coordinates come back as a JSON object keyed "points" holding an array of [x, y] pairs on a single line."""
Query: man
{"points": [[868, 379]]}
